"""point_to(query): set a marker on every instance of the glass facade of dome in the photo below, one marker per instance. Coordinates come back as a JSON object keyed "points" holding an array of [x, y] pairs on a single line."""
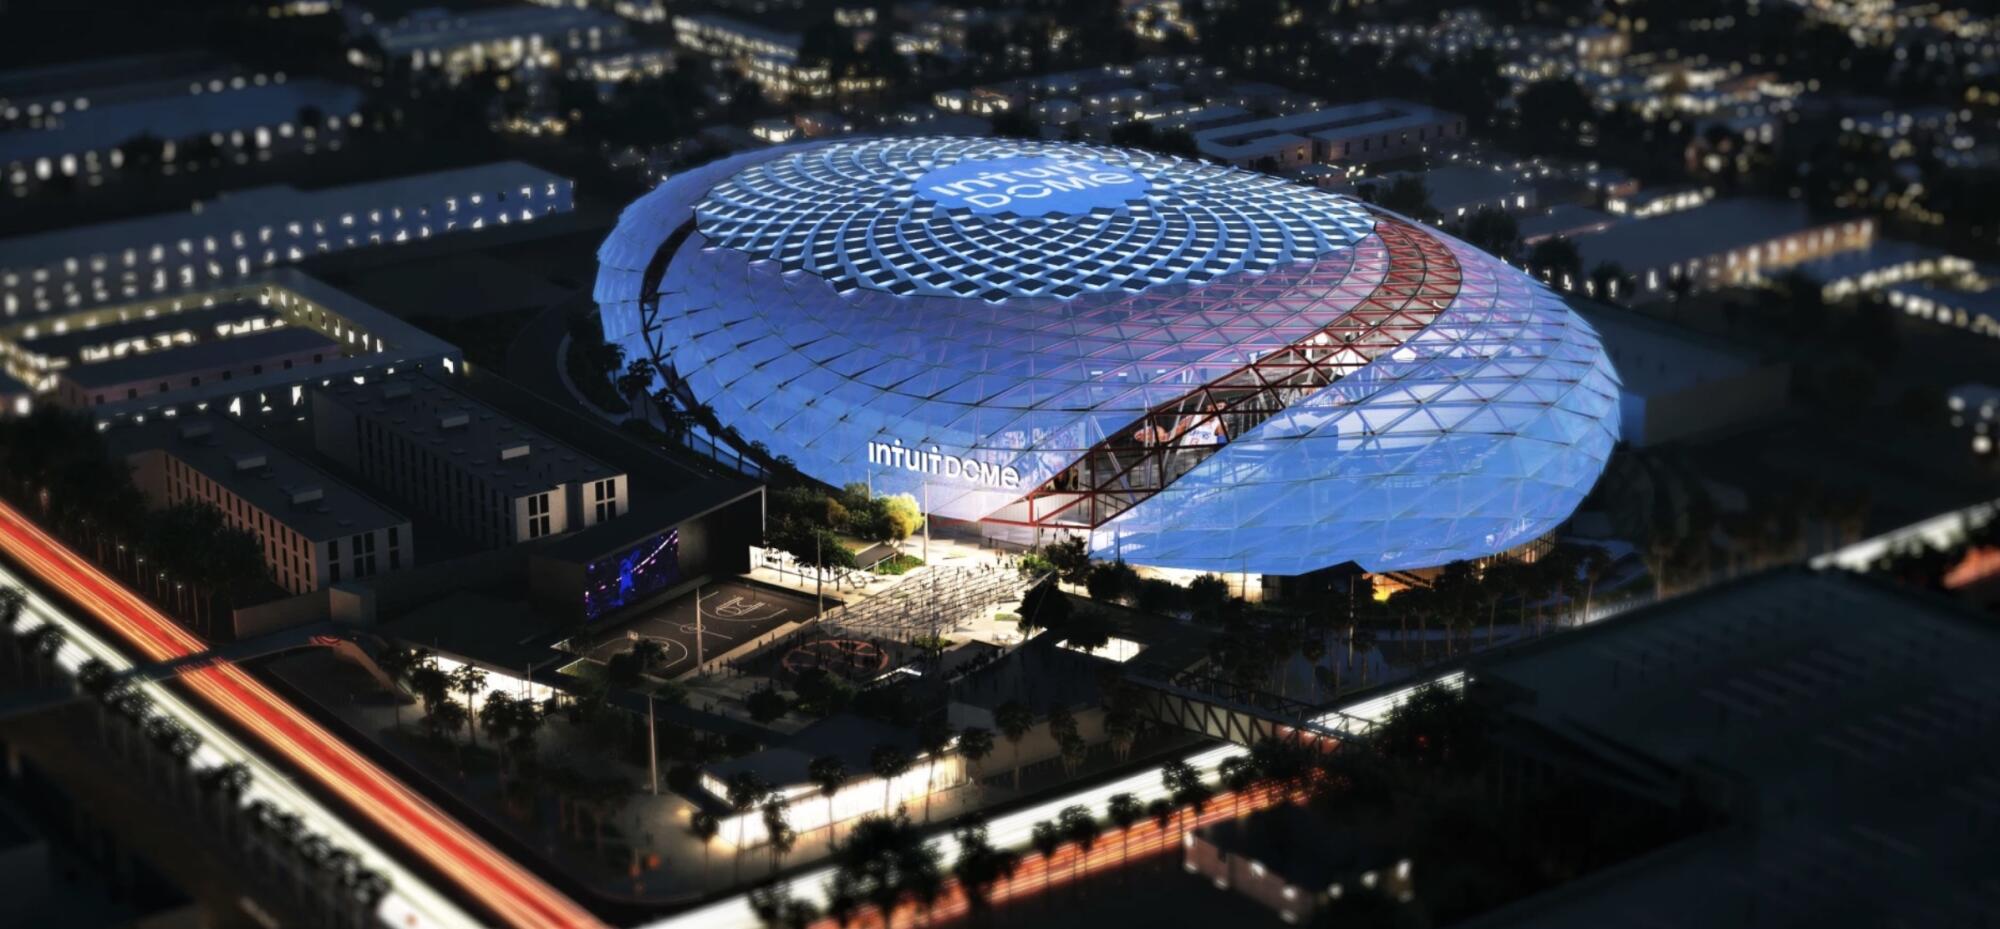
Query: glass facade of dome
{"points": [[1197, 366]]}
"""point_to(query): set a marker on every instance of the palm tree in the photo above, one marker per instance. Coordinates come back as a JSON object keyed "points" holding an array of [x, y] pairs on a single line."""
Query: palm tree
{"points": [[1075, 751], [469, 681], [648, 653], [449, 717], [829, 773], [497, 714], [396, 663], [1083, 829], [933, 736], [432, 685], [703, 826], [1047, 838], [885, 861], [1595, 562], [746, 790], [888, 762], [778, 830], [975, 745], [41, 645], [980, 866], [1124, 812], [1161, 811], [1237, 775], [1185, 786], [12, 601], [1015, 721]]}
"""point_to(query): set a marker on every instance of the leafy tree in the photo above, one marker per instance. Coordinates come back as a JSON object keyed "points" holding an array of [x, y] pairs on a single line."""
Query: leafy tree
{"points": [[1081, 828], [1088, 630], [1044, 606], [1610, 282], [1557, 259], [1112, 581], [901, 518], [1159, 596], [1493, 230], [1207, 595], [1435, 725], [1070, 557], [1406, 195]]}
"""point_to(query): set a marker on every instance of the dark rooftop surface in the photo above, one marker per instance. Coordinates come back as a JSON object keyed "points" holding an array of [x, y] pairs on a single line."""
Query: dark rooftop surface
{"points": [[851, 738], [202, 321], [1849, 725], [201, 356]]}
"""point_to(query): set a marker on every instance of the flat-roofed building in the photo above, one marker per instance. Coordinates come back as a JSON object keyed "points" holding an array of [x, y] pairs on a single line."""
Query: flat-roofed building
{"points": [[1836, 731], [244, 232], [1675, 383], [1721, 243], [183, 367], [481, 471], [768, 57], [314, 530], [1357, 133], [460, 42], [246, 347], [263, 116]]}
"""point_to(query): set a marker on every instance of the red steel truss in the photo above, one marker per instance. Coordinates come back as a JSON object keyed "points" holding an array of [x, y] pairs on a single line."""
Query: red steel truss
{"points": [[1169, 440]]}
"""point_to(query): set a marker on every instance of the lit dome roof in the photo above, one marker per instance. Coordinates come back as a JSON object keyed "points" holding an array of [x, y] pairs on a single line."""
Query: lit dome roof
{"points": [[1199, 366]]}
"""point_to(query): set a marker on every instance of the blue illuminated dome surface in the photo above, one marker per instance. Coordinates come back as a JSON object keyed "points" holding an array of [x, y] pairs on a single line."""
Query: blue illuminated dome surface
{"points": [[1197, 366]]}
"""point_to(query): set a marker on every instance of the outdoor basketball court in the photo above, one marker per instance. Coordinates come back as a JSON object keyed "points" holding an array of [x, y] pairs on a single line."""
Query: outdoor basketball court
{"points": [[731, 614]]}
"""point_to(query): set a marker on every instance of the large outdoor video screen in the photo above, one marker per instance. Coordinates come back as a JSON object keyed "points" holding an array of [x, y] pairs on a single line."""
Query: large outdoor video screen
{"points": [[632, 575]]}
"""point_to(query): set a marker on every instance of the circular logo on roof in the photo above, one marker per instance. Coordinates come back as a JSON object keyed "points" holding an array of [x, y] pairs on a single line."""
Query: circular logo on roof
{"points": [[1032, 186]]}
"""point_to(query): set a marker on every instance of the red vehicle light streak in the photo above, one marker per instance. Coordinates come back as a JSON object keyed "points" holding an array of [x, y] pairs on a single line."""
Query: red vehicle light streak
{"points": [[512, 893]]}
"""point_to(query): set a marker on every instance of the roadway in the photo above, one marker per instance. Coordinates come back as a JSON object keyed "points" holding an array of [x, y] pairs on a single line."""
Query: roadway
{"points": [[494, 883]]}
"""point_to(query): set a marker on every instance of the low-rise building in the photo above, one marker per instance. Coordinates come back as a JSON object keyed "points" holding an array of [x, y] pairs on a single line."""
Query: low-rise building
{"points": [[785, 768], [1290, 864], [1883, 264], [1973, 309], [246, 348], [1722, 243], [1359, 133], [313, 529], [769, 57], [1844, 761], [260, 115], [484, 473], [1568, 220], [461, 42], [182, 368], [245, 232], [1675, 383]]}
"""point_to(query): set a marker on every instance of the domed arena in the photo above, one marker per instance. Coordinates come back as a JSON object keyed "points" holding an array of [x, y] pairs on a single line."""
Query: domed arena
{"points": [[1195, 366]]}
